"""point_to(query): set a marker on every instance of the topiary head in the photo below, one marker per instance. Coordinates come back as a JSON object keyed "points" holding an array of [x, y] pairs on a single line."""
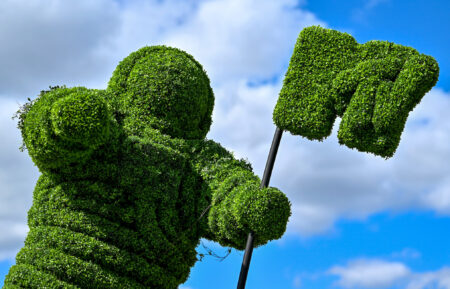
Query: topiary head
{"points": [[166, 89]]}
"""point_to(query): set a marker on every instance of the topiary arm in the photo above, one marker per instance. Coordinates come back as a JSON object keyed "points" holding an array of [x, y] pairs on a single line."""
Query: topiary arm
{"points": [[64, 126], [238, 205]]}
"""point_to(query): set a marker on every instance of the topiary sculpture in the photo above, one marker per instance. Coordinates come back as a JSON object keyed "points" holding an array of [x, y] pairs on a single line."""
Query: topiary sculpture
{"points": [[129, 183], [372, 86]]}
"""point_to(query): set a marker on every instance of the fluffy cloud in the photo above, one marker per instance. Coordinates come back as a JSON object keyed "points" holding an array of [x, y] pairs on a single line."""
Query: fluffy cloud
{"points": [[17, 179], [379, 274], [54, 42], [370, 274], [148, 22], [243, 39], [437, 279]]}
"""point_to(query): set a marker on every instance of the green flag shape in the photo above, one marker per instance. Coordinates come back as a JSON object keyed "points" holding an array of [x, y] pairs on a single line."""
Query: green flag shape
{"points": [[371, 86]]}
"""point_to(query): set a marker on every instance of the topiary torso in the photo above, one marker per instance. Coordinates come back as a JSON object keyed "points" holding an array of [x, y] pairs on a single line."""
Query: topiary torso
{"points": [[129, 184], [137, 228]]}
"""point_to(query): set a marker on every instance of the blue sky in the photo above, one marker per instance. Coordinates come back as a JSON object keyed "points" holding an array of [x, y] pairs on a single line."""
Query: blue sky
{"points": [[358, 221]]}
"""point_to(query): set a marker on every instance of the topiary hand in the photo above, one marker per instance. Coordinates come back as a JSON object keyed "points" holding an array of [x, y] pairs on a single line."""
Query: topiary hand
{"points": [[248, 208], [65, 125]]}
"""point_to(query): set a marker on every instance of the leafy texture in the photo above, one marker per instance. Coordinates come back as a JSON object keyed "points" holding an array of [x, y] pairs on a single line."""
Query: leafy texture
{"points": [[167, 88], [372, 86], [129, 183]]}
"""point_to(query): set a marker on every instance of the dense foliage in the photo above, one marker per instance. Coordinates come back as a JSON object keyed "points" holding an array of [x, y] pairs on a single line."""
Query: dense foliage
{"points": [[167, 88], [372, 86], [129, 183]]}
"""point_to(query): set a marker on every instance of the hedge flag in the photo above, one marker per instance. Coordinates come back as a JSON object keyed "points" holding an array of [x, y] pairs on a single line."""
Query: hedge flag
{"points": [[372, 86]]}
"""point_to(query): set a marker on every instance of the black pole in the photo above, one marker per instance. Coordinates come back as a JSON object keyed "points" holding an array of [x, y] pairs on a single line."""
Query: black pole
{"points": [[264, 184]]}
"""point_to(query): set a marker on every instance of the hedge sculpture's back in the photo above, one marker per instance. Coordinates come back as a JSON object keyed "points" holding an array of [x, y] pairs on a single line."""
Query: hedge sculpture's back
{"points": [[372, 86]]}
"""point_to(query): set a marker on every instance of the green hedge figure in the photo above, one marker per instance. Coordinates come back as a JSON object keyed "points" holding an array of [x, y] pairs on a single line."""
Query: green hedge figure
{"points": [[129, 183], [372, 86]]}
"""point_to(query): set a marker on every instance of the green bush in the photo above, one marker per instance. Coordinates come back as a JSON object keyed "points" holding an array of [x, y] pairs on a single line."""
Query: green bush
{"points": [[167, 88], [372, 86], [129, 183]]}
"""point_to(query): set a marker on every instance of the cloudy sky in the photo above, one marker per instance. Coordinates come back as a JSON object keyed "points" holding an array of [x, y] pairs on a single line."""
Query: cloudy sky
{"points": [[358, 221]]}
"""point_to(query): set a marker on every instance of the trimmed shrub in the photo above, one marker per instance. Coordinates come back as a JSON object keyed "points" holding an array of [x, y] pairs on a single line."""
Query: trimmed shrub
{"points": [[167, 88], [372, 86], [129, 183]]}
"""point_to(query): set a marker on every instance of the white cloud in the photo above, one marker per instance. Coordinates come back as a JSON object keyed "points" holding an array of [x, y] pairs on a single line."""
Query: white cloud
{"points": [[53, 42], [148, 22], [243, 115], [369, 274], [17, 179], [438, 279], [309, 219], [11, 239], [379, 274], [243, 39], [439, 197]]}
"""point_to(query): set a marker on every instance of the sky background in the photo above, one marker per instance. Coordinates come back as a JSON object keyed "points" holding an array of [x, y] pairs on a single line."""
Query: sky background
{"points": [[359, 221]]}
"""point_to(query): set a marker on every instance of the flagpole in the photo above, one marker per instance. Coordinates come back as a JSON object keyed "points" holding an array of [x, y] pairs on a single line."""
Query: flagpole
{"points": [[264, 183]]}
